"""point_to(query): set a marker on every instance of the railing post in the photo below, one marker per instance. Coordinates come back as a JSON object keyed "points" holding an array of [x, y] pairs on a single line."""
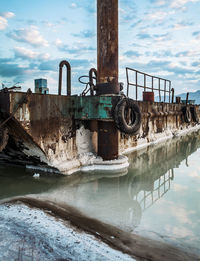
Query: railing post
{"points": [[127, 80], [164, 90], [159, 89], [170, 91], [136, 81]]}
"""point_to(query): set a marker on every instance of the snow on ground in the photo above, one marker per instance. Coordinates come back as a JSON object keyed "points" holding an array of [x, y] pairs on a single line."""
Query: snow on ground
{"points": [[31, 234]]}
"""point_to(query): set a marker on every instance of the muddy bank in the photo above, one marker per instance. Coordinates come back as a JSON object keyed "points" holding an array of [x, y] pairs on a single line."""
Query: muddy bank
{"points": [[137, 247]]}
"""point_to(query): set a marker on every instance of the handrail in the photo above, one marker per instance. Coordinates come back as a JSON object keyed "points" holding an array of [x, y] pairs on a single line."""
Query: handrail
{"points": [[152, 88], [68, 82]]}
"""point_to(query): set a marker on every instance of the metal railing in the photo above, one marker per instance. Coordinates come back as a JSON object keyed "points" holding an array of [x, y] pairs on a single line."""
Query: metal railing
{"points": [[153, 79], [160, 189]]}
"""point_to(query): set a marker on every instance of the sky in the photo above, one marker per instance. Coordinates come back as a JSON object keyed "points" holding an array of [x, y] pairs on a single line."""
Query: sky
{"points": [[159, 37]]}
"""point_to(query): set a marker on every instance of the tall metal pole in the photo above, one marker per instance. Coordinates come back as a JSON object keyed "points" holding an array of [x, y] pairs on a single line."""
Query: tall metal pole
{"points": [[107, 71]]}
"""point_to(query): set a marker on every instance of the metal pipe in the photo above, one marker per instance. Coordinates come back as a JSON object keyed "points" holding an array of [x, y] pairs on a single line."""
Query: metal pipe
{"points": [[187, 96], [107, 41], [91, 78], [68, 82], [172, 95], [107, 67]]}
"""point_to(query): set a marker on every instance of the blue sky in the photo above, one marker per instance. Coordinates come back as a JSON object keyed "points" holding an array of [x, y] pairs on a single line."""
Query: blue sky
{"points": [[160, 37]]}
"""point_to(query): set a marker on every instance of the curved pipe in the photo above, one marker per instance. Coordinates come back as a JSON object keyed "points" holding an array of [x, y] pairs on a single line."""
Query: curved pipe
{"points": [[91, 78], [66, 63]]}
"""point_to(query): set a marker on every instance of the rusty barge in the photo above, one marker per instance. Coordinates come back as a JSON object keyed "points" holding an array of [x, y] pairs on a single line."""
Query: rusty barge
{"points": [[61, 133]]}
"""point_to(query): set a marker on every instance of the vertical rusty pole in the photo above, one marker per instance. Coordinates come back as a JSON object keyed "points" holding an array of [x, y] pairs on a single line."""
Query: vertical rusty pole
{"points": [[107, 68]]}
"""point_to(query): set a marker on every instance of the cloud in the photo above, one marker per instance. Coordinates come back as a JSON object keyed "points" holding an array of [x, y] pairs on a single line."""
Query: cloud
{"points": [[8, 69], [143, 36], [3, 19], [182, 25], [89, 5], [21, 52], [196, 33], [179, 188], [196, 64], [27, 54], [30, 35], [158, 15], [179, 232], [161, 37], [127, 11], [159, 2], [7, 14], [85, 34], [180, 3], [52, 65], [131, 53], [76, 49]]}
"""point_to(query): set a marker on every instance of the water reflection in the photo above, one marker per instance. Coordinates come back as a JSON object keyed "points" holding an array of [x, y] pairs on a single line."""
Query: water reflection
{"points": [[159, 193], [121, 200]]}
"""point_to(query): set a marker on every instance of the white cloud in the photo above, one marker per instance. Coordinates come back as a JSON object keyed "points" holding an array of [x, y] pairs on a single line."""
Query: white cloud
{"points": [[179, 188], [3, 19], [58, 42], [73, 5], [181, 3], [179, 232], [30, 35], [3, 23], [7, 14], [180, 26], [24, 53], [159, 15]]}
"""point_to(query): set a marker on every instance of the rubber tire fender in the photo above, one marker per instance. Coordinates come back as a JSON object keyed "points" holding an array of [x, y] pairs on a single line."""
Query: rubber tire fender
{"points": [[195, 117], [119, 116], [187, 114]]}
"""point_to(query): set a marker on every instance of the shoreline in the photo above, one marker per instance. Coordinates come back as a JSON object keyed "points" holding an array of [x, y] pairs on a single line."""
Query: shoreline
{"points": [[136, 246]]}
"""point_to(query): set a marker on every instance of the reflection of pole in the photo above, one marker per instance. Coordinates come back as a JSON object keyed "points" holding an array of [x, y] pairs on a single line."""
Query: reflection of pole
{"points": [[186, 162], [107, 71]]}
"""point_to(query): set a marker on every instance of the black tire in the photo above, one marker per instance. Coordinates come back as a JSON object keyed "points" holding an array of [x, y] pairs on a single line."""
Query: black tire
{"points": [[187, 114], [195, 117], [127, 116]]}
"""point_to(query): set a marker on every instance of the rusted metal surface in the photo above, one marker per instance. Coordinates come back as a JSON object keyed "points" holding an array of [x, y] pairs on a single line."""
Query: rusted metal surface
{"points": [[107, 67], [107, 140], [92, 72], [45, 127], [187, 97], [172, 95], [148, 96], [163, 85], [68, 81], [178, 100], [107, 41], [107, 88]]}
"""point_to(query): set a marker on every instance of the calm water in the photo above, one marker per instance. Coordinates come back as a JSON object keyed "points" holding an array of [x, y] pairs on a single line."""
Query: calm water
{"points": [[157, 197]]}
